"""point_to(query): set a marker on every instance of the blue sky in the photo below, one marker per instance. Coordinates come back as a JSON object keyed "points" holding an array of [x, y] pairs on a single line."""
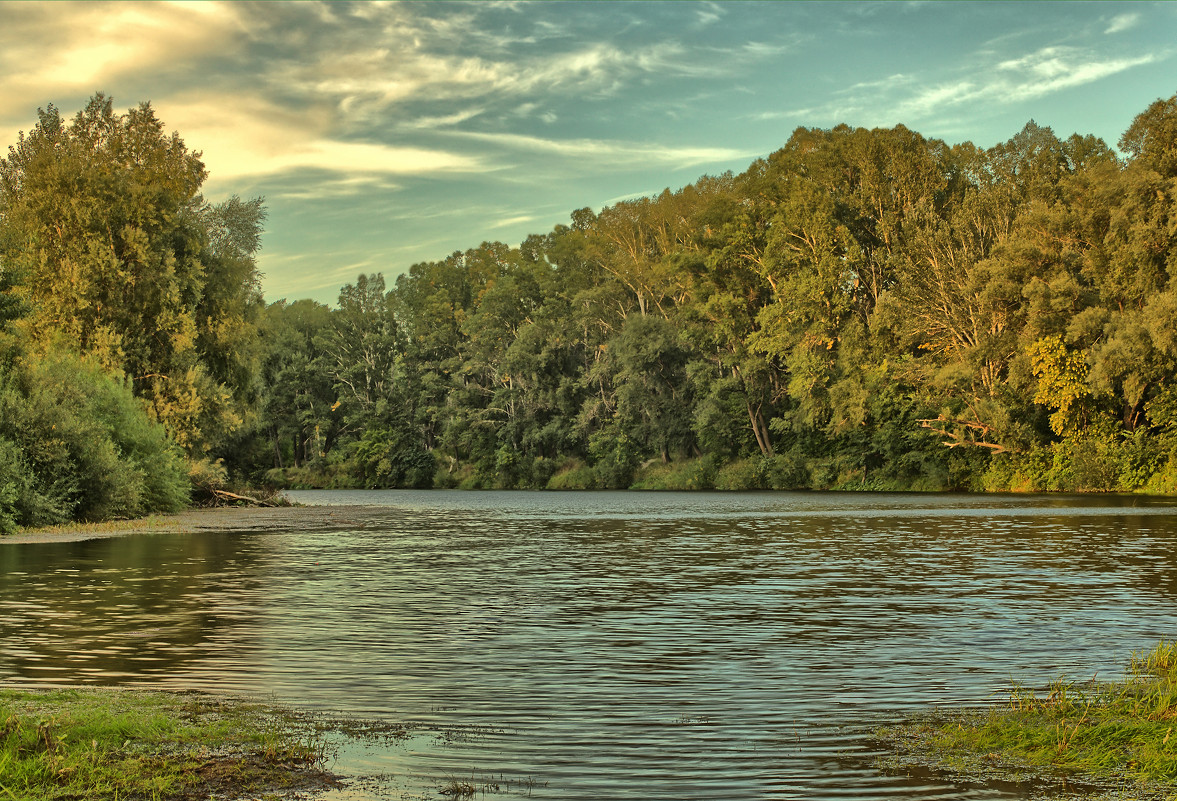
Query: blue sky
{"points": [[384, 134]]}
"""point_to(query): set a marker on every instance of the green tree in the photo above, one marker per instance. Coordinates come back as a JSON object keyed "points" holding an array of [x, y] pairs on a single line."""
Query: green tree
{"points": [[108, 244]]}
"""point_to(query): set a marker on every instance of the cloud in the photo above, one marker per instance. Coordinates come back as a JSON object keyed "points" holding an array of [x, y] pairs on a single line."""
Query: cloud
{"points": [[631, 196], [406, 55], [443, 121], [1044, 72], [337, 188], [1122, 22], [1056, 68], [50, 49], [988, 80], [610, 152], [246, 136], [761, 50], [708, 14], [509, 221]]}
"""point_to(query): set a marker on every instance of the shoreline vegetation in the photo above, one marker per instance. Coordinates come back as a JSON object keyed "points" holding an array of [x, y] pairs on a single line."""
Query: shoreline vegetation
{"points": [[1111, 737], [105, 744]]}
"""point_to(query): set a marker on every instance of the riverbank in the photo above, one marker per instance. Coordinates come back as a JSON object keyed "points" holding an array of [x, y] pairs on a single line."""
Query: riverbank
{"points": [[246, 519], [89, 744], [1118, 737]]}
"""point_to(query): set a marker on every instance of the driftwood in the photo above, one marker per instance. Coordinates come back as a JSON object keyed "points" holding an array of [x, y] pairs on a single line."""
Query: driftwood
{"points": [[232, 496]]}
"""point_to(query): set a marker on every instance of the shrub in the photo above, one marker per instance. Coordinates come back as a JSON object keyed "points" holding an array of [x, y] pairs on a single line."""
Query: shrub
{"points": [[78, 445], [573, 475], [692, 474], [746, 474], [615, 459]]}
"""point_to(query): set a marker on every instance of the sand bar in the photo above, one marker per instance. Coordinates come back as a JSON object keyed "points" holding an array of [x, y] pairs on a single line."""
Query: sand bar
{"points": [[224, 519]]}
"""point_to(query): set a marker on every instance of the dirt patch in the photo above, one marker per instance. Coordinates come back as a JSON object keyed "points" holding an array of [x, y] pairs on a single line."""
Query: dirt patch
{"points": [[228, 777]]}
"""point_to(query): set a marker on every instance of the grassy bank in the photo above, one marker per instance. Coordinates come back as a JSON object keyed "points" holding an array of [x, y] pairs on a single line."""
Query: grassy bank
{"points": [[139, 524], [1109, 735], [121, 745]]}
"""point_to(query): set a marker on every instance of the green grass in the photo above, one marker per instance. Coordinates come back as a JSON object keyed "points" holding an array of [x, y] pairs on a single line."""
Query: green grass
{"points": [[149, 523], [129, 745], [1105, 734]]}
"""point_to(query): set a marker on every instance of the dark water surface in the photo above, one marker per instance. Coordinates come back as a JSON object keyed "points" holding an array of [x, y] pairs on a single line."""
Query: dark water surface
{"points": [[614, 645]]}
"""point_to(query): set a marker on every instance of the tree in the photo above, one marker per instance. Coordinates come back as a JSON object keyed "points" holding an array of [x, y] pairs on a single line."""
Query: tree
{"points": [[108, 245]]}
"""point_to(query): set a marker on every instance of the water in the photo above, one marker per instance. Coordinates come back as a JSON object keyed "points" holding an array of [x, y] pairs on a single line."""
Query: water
{"points": [[613, 645]]}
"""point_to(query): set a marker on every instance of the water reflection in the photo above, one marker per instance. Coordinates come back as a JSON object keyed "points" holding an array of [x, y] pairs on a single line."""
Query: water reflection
{"points": [[127, 610], [595, 646]]}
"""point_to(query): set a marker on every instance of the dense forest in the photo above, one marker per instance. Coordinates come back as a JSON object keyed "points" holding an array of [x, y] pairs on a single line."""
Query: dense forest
{"points": [[862, 309]]}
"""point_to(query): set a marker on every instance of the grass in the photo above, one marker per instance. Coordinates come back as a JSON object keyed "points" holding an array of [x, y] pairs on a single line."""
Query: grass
{"points": [[121, 745], [149, 523], [1109, 735]]}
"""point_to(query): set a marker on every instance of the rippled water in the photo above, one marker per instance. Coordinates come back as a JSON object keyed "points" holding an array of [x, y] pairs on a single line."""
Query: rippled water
{"points": [[613, 645]]}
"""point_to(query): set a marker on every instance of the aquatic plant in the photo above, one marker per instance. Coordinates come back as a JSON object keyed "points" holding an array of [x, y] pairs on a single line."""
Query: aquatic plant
{"points": [[1104, 734]]}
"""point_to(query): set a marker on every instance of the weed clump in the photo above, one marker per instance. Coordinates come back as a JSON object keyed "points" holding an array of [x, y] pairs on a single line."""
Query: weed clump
{"points": [[1104, 735]]}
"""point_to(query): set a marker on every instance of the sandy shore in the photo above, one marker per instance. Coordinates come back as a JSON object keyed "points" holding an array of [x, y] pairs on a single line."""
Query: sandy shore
{"points": [[195, 521]]}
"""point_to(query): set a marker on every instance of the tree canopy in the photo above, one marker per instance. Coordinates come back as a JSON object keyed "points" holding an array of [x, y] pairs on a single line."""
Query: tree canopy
{"points": [[862, 309], [108, 246]]}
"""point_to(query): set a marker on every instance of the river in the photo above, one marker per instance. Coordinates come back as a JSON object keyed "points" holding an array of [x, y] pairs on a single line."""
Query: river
{"points": [[613, 645]]}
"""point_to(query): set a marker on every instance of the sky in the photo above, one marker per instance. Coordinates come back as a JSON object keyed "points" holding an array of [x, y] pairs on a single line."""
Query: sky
{"points": [[389, 133]]}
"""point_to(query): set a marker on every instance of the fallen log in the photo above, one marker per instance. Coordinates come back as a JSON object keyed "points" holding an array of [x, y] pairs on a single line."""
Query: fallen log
{"points": [[232, 496]]}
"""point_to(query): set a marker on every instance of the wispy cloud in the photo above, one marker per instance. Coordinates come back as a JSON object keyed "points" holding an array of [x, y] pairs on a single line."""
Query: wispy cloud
{"points": [[988, 80], [592, 153], [1123, 22], [443, 121], [336, 188], [512, 221], [708, 14], [1053, 69]]}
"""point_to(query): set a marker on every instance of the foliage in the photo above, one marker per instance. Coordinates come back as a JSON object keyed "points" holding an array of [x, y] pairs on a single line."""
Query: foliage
{"points": [[1095, 732], [106, 244], [862, 309], [833, 317], [84, 744], [75, 444]]}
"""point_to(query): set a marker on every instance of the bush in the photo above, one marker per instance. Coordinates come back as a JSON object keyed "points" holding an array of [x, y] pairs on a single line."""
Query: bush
{"points": [[615, 459], [573, 475], [393, 457], [76, 445], [15, 486], [787, 471], [692, 474], [746, 474]]}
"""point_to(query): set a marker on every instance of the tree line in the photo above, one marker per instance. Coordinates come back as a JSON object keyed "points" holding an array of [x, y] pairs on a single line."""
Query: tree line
{"points": [[862, 309]]}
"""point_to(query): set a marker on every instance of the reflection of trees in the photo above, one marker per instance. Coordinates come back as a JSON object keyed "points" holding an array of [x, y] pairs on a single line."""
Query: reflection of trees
{"points": [[745, 590], [1140, 548], [106, 611], [842, 572]]}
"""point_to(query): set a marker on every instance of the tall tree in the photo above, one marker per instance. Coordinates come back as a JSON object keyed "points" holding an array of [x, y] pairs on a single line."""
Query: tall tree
{"points": [[108, 246]]}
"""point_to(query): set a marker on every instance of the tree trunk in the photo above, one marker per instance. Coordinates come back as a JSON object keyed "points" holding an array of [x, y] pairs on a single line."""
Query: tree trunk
{"points": [[277, 447], [756, 417]]}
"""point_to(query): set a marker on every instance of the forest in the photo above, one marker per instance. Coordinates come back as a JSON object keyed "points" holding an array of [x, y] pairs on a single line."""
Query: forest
{"points": [[860, 310]]}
